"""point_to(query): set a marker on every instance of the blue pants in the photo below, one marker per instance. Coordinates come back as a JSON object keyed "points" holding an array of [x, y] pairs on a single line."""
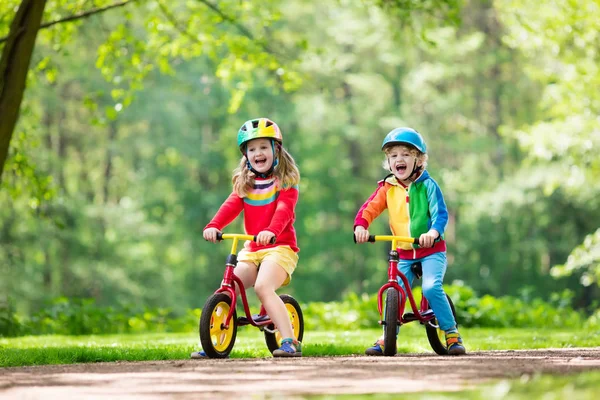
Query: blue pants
{"points": [[434, 269]]}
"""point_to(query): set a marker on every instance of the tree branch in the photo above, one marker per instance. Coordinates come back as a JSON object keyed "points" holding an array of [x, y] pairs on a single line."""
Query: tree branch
{"points": [[81, 15], [227, 18], [241, 28], [171, 18]]}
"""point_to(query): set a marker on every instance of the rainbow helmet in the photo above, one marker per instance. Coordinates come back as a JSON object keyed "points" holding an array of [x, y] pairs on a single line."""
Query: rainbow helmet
{"points": [[258, 128]]}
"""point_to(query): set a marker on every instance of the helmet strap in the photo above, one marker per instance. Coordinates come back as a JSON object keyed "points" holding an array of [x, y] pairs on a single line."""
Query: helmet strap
{"points": [[415, 172]]}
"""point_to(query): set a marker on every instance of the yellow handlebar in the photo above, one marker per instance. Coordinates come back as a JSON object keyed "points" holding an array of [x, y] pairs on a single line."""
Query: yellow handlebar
{"points": [[391, 238], [238, 236]]}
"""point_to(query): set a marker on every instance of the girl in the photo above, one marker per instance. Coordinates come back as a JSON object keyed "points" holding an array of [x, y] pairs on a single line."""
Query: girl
{"points": [[265, 187]]}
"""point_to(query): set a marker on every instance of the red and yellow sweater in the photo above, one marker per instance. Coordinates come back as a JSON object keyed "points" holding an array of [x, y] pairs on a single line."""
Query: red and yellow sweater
{"points": [[267, 206]]}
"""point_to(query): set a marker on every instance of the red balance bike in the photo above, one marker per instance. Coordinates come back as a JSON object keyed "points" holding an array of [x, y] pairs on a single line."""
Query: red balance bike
{"points": [[395, 302], [219, 320]]}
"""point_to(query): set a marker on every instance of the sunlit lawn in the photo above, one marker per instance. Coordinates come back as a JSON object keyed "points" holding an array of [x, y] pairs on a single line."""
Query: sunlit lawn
{"points": [[39, 350]]}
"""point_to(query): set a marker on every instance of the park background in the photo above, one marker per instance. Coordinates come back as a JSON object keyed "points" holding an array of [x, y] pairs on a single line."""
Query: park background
{"points": [[126, 141]]}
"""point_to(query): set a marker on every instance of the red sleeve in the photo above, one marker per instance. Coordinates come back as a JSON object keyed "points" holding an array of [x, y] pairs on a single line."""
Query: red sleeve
{"points": [[284, 213], [372, 207], [229, 210]]}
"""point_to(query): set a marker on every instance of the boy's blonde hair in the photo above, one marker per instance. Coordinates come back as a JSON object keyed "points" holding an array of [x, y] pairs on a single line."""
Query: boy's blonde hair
{"points": [[412, 150], [286, 172]]}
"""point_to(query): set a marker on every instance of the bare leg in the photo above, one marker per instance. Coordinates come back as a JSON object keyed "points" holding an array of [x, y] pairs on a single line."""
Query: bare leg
{"points": [[247, 272], [270, 278]]}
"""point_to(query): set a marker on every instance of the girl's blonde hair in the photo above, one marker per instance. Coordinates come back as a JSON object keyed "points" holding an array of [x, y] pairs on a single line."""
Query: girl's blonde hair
{"points": [[286, 172], [413, 152]]}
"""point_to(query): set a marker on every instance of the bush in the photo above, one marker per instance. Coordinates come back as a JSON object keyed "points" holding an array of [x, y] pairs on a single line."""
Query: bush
{"points": [[355, 312], [82, 316], [64, 316], [10, 324]]}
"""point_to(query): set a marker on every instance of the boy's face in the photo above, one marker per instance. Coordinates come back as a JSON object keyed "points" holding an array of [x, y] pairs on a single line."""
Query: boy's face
{"points": [[260, 154], [402, 161]]}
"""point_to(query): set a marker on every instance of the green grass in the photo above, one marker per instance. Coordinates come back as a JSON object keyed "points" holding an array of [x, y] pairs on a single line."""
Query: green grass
{"points": [[41, 350]]}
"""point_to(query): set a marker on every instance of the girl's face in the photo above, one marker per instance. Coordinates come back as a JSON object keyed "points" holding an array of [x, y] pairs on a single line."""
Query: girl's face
{"points": [[402, 161], [260, 154]]}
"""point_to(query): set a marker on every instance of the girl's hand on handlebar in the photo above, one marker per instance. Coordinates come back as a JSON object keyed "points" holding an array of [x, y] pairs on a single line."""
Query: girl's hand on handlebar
{"points": [[264, 237], [361, 234], [428, 239], [210, 234]]}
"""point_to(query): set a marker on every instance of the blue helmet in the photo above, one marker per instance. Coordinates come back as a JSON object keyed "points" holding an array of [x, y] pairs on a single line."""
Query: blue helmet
{"points": [[405, 136]]}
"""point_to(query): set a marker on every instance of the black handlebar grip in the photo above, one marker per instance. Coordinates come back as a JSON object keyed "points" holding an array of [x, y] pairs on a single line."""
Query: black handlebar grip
{"points": [[272, 241], [220, 237], [371, 238]]}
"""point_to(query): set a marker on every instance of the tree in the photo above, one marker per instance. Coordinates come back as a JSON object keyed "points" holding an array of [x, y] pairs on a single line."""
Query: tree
{"points": [[14, 65], [244, 49], [561, 44], [248, 49]]}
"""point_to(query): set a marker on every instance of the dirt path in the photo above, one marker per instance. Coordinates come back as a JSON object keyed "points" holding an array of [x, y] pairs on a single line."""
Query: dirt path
{"points": [[287, 378]]}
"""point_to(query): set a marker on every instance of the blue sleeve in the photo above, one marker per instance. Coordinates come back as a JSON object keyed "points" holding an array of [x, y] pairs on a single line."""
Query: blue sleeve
{"points": [[437, 206]]}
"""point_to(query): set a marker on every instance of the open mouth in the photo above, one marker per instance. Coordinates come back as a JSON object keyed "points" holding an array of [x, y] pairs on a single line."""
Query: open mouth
{"points": [[260, 162], [401, 168]]}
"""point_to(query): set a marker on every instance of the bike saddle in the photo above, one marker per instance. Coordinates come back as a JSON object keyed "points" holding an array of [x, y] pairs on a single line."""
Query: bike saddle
{"points": [[417, 269]]}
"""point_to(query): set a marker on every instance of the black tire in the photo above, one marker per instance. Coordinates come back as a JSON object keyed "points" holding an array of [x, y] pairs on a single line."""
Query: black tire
{"points": [[436, 336], [296, 317], [391, 322], [216, 341]]}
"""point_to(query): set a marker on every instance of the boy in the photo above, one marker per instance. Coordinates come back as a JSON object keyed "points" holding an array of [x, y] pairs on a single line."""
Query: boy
{"points": [[416, 208]]}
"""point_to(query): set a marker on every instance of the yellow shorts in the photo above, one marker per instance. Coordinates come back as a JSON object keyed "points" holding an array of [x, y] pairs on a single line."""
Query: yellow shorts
{"points": [[283, 256]]}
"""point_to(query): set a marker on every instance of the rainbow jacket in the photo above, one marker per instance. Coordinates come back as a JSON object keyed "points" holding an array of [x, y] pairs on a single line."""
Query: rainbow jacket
{"points": [[413, 210]]}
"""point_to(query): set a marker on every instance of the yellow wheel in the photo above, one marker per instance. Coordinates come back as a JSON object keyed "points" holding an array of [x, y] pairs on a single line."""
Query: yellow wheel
{"points": [[296, 318], [217, 341]]}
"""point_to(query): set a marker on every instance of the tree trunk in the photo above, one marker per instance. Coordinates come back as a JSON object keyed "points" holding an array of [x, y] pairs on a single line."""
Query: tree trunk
{"points": [[108, 168], [14, 65]]}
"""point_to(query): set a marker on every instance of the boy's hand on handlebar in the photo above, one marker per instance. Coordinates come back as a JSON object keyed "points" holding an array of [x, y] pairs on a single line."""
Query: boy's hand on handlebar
{"points": [[428, 239], [361, 234], [264, 237], [210, 234]]}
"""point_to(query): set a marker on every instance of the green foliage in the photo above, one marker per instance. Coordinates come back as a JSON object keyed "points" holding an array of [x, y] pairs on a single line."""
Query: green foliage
{"points": [[472, 311], [10, 325], [488, 311], [125, 147], [353, 312], [585, 258], [84, 317], [423, 14], [593, 320], [560, 44]]}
